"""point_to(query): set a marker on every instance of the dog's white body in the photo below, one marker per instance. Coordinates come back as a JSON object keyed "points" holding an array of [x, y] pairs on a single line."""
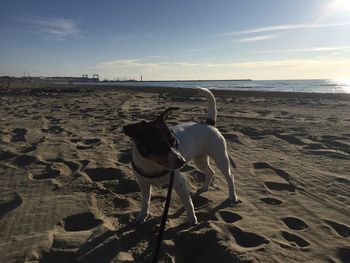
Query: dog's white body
{"points": [[197, 142]]}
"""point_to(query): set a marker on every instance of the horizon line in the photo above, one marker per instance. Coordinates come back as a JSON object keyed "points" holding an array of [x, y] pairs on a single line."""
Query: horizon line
{"points": [[177, 80]]}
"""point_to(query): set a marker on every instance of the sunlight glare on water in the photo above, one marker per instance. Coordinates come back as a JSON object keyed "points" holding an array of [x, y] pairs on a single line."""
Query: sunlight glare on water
{"points": [[342, 85]]}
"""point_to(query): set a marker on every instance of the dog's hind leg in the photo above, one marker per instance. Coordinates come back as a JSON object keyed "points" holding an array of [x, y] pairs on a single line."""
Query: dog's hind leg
{"points": [[202, 163], [223, 163]]}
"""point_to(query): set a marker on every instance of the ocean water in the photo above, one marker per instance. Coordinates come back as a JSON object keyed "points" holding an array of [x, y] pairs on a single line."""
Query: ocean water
{"points": [[312, 86]]}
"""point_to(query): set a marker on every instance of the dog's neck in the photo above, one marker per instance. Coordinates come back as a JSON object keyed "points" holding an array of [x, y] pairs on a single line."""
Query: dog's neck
{"points": [[145, 165]]}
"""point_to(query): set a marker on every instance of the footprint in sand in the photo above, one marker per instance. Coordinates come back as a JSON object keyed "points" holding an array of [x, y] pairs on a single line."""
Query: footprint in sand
{"points": [[85, 144], [4, 155], [122, 203], [9, 202], [330, 153], [80, 222], [18, 135], [253, 133], [295, 239], [124, 186], [91, 141], [124, 157], [33, 146], [73, 166], [24, 160], [205, 217], [344, 254], [337, 144], [294, 223], [103, 174], [271, 201], [342, 229], [279, 172], [54, 120], [81, 146], [84, 163], [56, 129], [329, 146], [290, 138], [277, 186], [75, 140], [247, 239], [199, 201], [275, 180], [232, 137], [82, 238], [215, 243], [44, 171], [229, 217]]}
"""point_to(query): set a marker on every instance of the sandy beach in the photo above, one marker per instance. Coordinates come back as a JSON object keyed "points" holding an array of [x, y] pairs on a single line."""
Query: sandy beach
{"points": [[67, 192]]}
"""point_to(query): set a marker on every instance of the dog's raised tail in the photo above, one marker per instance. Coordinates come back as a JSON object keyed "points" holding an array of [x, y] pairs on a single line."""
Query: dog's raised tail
{"points": [[211, 120]]}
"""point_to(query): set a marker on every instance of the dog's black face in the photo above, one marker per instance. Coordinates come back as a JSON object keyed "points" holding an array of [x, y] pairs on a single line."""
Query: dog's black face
{"points": [[156, 142]]}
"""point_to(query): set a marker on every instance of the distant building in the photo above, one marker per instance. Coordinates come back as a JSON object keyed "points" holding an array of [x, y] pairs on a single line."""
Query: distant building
{"points": [[73, 79]]}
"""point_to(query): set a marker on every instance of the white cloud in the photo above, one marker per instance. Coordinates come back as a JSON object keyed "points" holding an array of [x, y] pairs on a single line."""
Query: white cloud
{"points": [[338, 6], [283, 28], [310, 49], [257, 38], [53, 28], [137, 63]]}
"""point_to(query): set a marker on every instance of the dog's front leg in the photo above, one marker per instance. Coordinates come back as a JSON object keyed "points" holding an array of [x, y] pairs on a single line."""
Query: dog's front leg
{"points": [[184, 195], [145, 201]]}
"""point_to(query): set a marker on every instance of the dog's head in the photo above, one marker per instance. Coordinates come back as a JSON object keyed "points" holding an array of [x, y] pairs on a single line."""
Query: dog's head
{"points": [[156, 142]]}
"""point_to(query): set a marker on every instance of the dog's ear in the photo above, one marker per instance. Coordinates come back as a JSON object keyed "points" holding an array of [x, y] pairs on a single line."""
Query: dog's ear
{"points": [[134, 130], [164, 115]]}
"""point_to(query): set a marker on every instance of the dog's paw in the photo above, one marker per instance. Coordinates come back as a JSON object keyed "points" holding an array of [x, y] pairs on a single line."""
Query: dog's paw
{"points": [[191, 223], [233, 202], [140, 218]]}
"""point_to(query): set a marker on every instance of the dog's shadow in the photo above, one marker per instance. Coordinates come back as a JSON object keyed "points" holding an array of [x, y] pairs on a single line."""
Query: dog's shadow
{"points": [[132, 234], [202, 202]]}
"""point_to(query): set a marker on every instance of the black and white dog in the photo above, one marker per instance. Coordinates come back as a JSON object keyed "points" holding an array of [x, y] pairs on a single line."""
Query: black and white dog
{"points": [[158, 150]]}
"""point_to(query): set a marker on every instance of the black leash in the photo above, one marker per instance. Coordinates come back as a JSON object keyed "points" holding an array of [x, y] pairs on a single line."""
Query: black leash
{"points": [[164, 217]]}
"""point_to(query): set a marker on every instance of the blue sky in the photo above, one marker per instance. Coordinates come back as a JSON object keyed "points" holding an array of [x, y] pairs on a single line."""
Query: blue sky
{"points": [[182, 39]]}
